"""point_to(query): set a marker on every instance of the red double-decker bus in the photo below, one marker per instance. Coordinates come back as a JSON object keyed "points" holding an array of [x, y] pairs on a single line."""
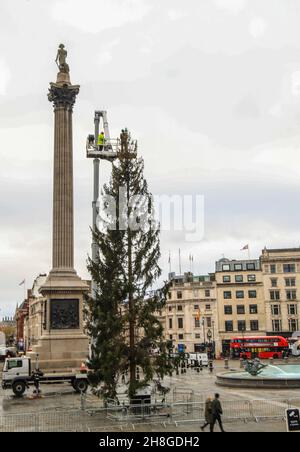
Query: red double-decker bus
{"points": [[263, 347]]}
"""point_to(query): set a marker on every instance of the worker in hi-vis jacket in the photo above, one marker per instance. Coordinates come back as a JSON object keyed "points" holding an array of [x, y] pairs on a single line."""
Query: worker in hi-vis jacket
{"points": [[101, 140]]}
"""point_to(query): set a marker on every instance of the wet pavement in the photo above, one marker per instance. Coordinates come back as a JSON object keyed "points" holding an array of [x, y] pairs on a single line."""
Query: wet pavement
{"points": [[193, 386]]}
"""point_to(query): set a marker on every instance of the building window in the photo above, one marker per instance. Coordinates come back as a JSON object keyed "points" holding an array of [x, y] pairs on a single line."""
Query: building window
{"points": [[197, 336], [197, 323], [227, 295], [179, 307], [252, 294], [171, 337], [170, 295], [289, 268], [290, 282], [275, 294], [292, 309], [276, 309], [226, 268], [277, 326], [228, 310], [240, 294], [251, 266], [291, 294], [273, 268], [240, 310], [274, 282], [254, 325], [229, 327], [180, 323], [170, 308], [180, 337], [226, 279], [170, 324], [239, 278], [253, 309], [238, 267], [208, 322], [196, 307], [293, 325], [251, 278], [241, 325], [179, 295], [207, 293], [208, 307]]}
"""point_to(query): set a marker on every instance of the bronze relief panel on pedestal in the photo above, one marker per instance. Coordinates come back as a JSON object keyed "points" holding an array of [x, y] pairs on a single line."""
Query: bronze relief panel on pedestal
{"points": [[64, 314]]}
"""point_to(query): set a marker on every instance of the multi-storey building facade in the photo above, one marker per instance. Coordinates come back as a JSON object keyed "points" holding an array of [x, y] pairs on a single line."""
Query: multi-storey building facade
{"points": [[240, 300], [190, 315], [281, 279]]}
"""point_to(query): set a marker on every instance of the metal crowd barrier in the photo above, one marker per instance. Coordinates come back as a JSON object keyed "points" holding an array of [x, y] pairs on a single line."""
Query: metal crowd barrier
{"points": [[121, 417]]}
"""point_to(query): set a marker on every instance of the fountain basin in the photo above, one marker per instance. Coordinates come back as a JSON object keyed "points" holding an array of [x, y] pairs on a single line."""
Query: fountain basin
{"points": [[272, 377]]}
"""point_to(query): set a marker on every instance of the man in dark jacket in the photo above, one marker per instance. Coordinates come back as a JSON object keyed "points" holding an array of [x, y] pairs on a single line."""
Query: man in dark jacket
{"points": [[217, 413]]}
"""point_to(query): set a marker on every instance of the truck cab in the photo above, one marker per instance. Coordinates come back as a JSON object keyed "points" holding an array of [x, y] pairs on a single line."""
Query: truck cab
{"points": [[16, 374], [15, 367]]}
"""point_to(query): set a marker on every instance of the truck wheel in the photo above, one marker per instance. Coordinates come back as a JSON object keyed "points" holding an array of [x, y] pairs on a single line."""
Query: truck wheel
{"points": [[18, 388], [80, 386]]}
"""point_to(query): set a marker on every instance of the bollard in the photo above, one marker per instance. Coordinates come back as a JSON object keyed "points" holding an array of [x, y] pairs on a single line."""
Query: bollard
{"points": [[241, 363], [82, 401], [271, 360], [286, 360], [226, 364]]}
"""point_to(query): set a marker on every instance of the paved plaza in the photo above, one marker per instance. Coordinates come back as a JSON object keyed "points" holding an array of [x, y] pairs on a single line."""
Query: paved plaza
{"points": [[73, 411]]}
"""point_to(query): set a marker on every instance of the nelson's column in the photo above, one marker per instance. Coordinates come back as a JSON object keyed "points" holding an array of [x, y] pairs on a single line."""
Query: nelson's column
{"points": [[63, 342]]}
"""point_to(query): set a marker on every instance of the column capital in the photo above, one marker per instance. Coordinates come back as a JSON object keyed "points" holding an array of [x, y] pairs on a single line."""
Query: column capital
{"points": [[63, 95]]}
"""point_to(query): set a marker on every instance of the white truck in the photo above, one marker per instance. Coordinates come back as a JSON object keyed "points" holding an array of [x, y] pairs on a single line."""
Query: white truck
{"points": [[18, 376]]}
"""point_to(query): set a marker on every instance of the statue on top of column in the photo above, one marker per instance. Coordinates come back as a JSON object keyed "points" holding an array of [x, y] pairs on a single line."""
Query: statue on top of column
{"points": [[61, 59]]}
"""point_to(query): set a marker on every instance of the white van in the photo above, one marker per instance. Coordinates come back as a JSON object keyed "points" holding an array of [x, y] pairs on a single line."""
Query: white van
{"points": [[296, 349], [198, 357]]}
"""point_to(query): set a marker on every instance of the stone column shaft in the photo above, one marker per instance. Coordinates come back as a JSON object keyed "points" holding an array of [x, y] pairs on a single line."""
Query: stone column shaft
{"points": [[63, 96], [63, 234]]}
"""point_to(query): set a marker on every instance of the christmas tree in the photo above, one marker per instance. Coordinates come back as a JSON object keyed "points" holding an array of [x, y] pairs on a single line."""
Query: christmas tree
{"points": [[122, 315]]}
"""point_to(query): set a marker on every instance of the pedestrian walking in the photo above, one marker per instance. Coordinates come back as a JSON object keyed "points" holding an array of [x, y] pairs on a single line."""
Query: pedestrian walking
{"points": [[217, 412], [208, 414]]}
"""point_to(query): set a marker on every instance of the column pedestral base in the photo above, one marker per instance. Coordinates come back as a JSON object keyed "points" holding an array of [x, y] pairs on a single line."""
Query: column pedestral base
{"points": [[63, 343]]}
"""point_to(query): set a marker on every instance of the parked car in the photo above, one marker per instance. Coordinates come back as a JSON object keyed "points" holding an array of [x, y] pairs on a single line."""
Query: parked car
{"points": [[7, 352]]}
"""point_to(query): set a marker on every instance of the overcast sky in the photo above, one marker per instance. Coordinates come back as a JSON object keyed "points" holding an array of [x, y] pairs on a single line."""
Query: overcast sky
{"points": [[210, 88]]}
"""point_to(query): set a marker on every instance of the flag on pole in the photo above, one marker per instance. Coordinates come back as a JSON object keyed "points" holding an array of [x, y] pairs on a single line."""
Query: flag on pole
{"points": [[198, 316], [169, 262], [179, 255], [23, 282], [246, 247]]}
